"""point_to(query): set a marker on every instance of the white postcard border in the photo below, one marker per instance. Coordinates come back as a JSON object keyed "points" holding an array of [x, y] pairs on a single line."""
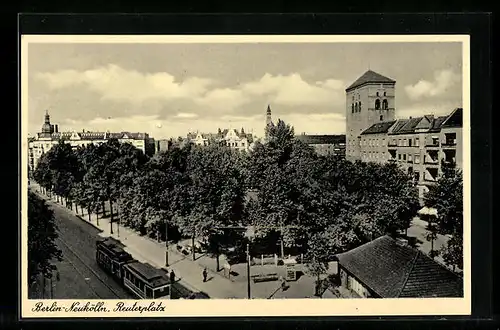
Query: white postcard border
{"points": [[258, 307]]}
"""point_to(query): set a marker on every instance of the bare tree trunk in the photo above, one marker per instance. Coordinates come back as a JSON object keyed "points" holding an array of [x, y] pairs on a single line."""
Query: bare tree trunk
{"points": [[217, 255], [111, 209], [103, 209], [76, 208], [90, 220], [192, 246]]}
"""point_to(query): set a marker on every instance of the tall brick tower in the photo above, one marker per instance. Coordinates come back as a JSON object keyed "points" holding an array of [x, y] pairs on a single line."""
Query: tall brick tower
{"points": [[369, 100]]}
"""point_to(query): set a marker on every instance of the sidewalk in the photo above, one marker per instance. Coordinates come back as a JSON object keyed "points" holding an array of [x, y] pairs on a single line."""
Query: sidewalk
{"points": [[148, 250]]}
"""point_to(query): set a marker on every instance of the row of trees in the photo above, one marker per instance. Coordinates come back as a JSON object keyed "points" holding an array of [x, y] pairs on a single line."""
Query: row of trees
{"points": [[312, 204]]}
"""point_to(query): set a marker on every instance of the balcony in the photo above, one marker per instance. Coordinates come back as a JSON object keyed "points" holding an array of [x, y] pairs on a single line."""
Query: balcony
{"points": [[430, 161], [432, 145], [449, 144]]}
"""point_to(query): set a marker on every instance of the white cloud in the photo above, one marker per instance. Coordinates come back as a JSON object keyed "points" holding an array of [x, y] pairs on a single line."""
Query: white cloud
{"points": [[116, 83], [443, 81], [186, 115], [294, 91]]}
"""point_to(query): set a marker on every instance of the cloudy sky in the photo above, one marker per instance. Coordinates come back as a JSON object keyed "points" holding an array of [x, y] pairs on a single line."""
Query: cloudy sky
{"points": [[170, 89]]}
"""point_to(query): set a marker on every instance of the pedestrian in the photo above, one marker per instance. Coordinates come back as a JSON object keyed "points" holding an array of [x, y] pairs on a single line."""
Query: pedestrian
{"points": [[205, 274], [172, 276]]}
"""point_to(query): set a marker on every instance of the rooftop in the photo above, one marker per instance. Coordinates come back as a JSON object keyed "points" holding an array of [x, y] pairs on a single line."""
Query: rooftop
{"points": [[377, 128], [370, 77], [455, 119], [153, 276], [321, 139], [395, 270]]}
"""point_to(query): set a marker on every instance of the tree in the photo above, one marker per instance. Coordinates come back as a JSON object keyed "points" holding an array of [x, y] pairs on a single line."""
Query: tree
{"points": [[42, 173], [447, 198], [215, 192], [41, 239], [109, 167]]}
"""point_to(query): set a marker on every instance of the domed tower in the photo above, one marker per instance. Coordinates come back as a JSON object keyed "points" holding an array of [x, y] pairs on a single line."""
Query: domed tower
{"points": [[47, 128]]}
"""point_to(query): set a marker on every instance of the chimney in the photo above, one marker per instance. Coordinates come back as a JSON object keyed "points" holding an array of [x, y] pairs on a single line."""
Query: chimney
{"points": [[410, 117], [57, 128]]}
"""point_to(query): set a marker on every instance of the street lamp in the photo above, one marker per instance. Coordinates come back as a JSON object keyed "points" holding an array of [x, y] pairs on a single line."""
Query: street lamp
{"points": [[250, 234], [166, 243]]}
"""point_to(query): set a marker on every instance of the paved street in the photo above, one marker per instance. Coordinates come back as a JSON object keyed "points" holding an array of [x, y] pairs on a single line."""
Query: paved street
{"points": [[418, 230], [80, 276], [78, 234]]}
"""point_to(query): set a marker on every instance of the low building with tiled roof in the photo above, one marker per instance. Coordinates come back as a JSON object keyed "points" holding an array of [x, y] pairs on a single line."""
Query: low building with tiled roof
{"points": [[325, 144], [50, 136], [389, 268]]}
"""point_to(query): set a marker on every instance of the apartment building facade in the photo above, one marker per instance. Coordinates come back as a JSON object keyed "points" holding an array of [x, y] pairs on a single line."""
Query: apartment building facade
{"points": [[418, 145], [49, 136]]}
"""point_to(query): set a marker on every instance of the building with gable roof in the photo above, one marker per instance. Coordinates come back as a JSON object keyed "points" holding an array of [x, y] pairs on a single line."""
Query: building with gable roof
{"points": [[50, 136], [239, 140], [419, 145]]}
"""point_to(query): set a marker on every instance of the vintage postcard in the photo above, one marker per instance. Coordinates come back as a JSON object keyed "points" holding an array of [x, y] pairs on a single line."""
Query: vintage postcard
{"points": [[245, 176]]}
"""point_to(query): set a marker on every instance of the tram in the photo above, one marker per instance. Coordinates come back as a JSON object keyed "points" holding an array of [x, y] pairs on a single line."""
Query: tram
{"points": [[142, 279], [111, 256]]}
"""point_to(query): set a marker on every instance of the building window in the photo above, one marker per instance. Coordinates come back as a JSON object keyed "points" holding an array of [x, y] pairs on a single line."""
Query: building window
{"points": [[356, 107], [417, 159], [409, 142], [381, 118], [416, 142], [385, 104], [377, 104], [409, 158], [359, 106], [399, 156], [352, 108], [377, 93], [404, 156]]}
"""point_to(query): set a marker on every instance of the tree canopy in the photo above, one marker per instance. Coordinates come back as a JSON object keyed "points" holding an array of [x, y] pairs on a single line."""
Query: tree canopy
{"points": [[42, 249], [316, 205]]}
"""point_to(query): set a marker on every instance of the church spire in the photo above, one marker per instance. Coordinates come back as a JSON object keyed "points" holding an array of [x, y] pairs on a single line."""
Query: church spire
{"points": [[268, 120]]}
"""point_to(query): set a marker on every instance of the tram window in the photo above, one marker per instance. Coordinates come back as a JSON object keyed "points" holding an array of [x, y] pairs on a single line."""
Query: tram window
{"points": [[149, 292], [161, 292]]}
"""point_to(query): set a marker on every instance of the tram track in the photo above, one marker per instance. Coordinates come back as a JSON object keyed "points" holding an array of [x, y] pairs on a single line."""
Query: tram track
{"points": [[92, 271]]}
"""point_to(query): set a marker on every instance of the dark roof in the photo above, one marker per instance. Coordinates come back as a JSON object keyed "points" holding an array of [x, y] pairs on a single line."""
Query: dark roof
{"points": [[454, 119], [395, 270], [111, 242], [382, 127], [408, 127], [370, 77], [153, 276], [436, 124], [321, 139]]}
